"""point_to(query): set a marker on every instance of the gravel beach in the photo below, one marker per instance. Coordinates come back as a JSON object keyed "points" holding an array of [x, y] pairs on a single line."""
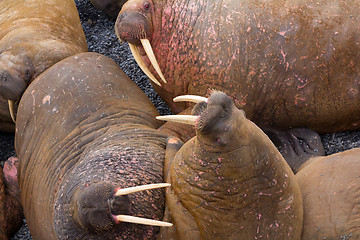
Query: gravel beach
{"points": [[100, 34]]}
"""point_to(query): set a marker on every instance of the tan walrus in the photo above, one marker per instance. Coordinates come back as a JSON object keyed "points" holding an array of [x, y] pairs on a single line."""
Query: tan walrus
{"points": [[34, 34], [329, 185], [230, 181]]}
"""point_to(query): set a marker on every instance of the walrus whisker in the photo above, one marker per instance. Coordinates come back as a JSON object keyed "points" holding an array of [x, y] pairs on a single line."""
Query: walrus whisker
{"points": [[138, 220], [11, 109], [129, 190], [186, 119], [140, 62], [150, 53], [190, 98]]}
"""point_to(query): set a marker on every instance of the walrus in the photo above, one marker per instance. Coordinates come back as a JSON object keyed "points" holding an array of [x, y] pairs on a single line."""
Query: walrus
{"points": [[85, 133], [109, 7], [330, 190], [287, 64], [328, 184], [230, 181], [34, 35], [11, 214]]}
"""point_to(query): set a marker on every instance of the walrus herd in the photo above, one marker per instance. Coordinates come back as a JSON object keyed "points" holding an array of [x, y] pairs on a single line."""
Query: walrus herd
{"points": [[95, 161]]}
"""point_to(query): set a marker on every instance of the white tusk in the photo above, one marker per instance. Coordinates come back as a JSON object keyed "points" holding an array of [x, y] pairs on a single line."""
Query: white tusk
{"points": [[190, 98], [145, 221], [150, 53], [140, 62], [11, 109], [187, 119], [129, 190]]}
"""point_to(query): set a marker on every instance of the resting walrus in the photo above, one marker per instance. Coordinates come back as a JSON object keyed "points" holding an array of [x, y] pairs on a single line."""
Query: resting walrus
{"points": [[286, 63], [34, 34], [329, 185], [85, 132]]}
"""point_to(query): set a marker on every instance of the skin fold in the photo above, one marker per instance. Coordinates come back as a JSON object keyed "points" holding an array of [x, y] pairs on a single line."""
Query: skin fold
{"points": [[287, 64], [34, 35]]}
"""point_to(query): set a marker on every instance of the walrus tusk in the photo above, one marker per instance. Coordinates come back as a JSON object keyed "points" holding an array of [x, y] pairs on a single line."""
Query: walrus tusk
{"points": [[187, 119], [150, 53], [138, 220], [129, 190], [190, 98], [140, 62], [11, 109]]}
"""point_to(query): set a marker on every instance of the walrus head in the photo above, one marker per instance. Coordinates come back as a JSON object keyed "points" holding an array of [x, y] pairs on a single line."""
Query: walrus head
{"points": [[16, 71], [99, 206], [134, 25]]}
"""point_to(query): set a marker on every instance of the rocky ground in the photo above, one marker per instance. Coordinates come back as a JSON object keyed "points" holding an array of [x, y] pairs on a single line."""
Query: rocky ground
{"points": [[99, 31]]}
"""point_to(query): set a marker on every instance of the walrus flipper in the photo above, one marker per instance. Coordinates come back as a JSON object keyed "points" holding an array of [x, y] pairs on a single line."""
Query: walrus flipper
{"points": [[296, 145]]}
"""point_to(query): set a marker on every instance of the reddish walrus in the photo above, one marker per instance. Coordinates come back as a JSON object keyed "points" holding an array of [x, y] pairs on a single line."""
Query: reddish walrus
{"points": [[86, 134], [285, 63], [34, 34]]}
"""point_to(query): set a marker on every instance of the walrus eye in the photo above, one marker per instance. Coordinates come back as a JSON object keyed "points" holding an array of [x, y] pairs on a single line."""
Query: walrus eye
{"points": [[146, 6]]}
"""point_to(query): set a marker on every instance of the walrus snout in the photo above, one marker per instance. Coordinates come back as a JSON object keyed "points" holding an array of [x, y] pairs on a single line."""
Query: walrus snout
{"points": [[16, 71], [95, 205], [131, 27], [217, 119]]}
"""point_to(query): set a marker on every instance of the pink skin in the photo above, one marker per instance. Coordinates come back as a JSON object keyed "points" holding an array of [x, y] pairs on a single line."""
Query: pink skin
{"points": [[12, 216], [285, 65]]}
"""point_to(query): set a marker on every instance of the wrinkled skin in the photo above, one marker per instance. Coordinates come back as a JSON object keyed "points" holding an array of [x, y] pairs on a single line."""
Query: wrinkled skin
{"points": [[230, 182], [83, 130], [110, 7], [10, 207], [330, 189], [286, 63], [34, 35]]}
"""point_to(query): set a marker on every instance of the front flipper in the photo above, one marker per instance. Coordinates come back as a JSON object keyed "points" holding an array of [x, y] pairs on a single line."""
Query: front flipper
{"points": [[296, 145], [184, 226]]}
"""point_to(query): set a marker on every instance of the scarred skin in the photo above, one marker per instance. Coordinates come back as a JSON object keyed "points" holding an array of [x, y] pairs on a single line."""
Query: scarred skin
{"points": [[11, 215], [83, 130], [330, 189], [286, 63], [34, 35], [110, 7], [230, 182]]}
